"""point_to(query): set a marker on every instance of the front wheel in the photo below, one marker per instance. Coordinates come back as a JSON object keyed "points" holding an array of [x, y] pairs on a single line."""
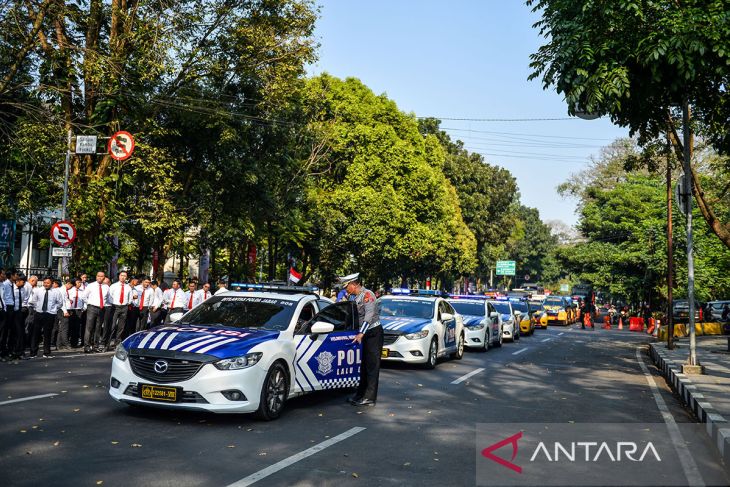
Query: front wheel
{"points": [[487, 341], [432, 354], [273, 393]]}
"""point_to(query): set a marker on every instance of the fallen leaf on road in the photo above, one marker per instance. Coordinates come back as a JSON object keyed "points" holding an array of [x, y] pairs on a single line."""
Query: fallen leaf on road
{"points": [[420, 385], [40, 419], [35, 426], [23, 431], [345, 454], [231, 446], [320, 415], [76, 410], [99, 482], [355, 475], [249, 429], [28, 452], [115, 442], [391, 415], [136, 445], [56, 443], [262, 454], [407, 464], [85, 387]]}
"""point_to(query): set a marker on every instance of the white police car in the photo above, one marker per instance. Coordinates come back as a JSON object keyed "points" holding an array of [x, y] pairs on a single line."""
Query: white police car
{"points": [[419, 327], [510, 326], [241, 352], [482, 323]]}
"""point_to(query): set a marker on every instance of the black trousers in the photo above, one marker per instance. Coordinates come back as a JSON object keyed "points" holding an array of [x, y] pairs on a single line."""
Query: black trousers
{"points": [[157, 317], [4, 329], [94, 323], [132, 317], [60, 330], [42, 322], [74, 326], [16, 336], [372, 344], [116, 327], [142, 315]]}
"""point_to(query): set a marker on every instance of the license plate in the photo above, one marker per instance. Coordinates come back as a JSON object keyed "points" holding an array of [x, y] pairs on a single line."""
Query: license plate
{"points": [[158, 393], [384, 353]]}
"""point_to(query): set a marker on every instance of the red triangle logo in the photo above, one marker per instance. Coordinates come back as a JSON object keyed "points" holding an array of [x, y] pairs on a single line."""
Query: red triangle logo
{"points": [[487, 452]]}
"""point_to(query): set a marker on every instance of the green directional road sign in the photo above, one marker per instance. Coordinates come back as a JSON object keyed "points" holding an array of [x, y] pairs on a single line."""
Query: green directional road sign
{"points": [[506, 267]]}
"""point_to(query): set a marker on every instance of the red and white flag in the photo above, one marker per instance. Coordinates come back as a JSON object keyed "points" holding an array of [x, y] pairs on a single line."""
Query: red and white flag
{"points": [[294, 276]]}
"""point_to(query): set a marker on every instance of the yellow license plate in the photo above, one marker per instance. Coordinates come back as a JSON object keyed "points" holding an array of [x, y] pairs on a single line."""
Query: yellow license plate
{"points": [[159, 393], [384, 353]]}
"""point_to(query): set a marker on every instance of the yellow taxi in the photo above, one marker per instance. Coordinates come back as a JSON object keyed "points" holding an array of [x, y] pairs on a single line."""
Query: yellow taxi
{"points": [[558, 311], [527, 326], [537, 314]]}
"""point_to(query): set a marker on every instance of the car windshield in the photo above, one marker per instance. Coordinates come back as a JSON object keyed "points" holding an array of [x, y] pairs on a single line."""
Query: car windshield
{"points": [[519, 306], [405, 307], [553, 302], [535, 305], [502, 307], [243, 312], [471, 309]]}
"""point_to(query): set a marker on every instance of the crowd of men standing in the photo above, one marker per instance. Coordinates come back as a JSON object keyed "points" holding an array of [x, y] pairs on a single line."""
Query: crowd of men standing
{"points": [[95, 315]]}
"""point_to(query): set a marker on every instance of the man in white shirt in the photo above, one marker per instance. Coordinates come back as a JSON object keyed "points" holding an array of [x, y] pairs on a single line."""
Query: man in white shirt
{"points": [[221, 288], [174, 300], [120, 294], [46, 302], [74, 304], [95, 297], [190, 295], [16, 315], [157, 313], [144, 302], [202, 295], [28, 287]]}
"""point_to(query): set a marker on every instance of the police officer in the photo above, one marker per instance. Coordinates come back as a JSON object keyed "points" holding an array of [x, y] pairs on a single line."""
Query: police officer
{"points": [[370, 335]]}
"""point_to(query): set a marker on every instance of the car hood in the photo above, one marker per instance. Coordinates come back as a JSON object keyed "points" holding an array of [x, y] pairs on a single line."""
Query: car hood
{"points": [[507, 317], [471, 320], [403, 325], [219, 341]]}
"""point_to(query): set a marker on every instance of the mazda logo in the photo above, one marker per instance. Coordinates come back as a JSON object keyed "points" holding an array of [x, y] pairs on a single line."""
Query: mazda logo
{"points": [[161, 366]]}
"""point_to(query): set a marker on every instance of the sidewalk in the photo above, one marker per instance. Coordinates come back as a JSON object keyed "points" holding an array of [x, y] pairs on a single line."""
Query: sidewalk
{"points": [[708, 395]]}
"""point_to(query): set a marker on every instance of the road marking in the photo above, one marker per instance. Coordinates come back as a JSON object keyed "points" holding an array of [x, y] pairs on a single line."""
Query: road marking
{"points": [[520, 351], [466, 376], [561, 333], [270, 470], [691, 472], [546, 340], [29, 398]]}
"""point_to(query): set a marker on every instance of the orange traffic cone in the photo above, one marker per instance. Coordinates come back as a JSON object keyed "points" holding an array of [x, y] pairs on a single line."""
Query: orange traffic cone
{"points": [[606, 322]]}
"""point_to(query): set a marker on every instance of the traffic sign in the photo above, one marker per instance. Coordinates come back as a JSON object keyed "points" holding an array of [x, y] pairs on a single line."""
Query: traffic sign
{"points": [[506, 268], [121, 145], [86, 144], [63, 233], [681, 195], [62, 252], [564, 288]]}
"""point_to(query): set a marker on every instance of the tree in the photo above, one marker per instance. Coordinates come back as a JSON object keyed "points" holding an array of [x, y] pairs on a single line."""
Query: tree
{"points": [[638, 62]]}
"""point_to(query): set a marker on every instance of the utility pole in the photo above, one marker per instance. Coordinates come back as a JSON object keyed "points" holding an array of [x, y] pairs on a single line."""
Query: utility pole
{"points": [[63, 261], [670, 253], [692, 365]]}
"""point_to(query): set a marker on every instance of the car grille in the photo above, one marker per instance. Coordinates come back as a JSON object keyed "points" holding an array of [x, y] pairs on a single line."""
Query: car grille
{"points": [[389, 339], [177, 370]]}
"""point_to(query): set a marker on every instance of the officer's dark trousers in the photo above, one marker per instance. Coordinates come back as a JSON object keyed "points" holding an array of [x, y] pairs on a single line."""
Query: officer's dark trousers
{"points": [[142, 316], [42, 322], [4, 328], [94, 321], [372, 344], [118, 322], [16, 339]]}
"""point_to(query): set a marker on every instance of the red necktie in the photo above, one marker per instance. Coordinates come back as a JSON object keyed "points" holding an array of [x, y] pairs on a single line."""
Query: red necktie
{"points": [[205, 294], [174, 295], [121, 297], [141, 301], [190, 303], [101, 299]]}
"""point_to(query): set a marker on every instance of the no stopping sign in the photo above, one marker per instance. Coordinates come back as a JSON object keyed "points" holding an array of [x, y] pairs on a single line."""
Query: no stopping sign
{"points": [[63, 233]]}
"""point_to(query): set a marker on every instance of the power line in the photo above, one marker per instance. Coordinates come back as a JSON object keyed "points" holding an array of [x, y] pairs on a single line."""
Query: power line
{"points": [[523, 134], [454, 119]]}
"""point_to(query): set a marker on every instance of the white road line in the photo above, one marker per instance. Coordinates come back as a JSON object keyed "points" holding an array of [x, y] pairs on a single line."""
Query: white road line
{"points": [[29, 398], [262, 474], [561, 333], [466, 376], [546, 340], [520, 351], [691, 472]]}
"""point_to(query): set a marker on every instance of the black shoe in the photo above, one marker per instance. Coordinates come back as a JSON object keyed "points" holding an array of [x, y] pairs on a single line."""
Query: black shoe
{"points": [[48, 355], [87, 350], [364, 402], [100, 350], [354, 399]]}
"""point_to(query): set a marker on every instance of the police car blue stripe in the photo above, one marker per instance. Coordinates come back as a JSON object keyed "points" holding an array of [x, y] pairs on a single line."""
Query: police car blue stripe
{"points": [[188, 342], [202, 343], [168, 341], [146, 339], [157, 339], [214, 345]]}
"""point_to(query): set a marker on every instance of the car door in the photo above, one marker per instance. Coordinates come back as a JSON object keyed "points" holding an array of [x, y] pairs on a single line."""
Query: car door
{"points": [[328, 360], [493, 322], [448, 325]]}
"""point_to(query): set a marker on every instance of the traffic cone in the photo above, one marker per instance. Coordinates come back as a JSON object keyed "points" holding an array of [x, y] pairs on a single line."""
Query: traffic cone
{"points": [[606, 322], [620, 323]]}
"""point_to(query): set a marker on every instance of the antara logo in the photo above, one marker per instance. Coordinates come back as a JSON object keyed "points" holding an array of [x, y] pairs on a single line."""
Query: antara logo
{"points": [[575, 451]]}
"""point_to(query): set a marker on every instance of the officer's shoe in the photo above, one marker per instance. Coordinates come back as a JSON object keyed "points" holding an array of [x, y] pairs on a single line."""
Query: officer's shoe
{"points": [[364, 402], [354, 399]]}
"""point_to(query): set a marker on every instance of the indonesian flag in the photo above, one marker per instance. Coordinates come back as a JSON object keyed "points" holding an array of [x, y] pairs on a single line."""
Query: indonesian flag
{"points": [[294, 276]]}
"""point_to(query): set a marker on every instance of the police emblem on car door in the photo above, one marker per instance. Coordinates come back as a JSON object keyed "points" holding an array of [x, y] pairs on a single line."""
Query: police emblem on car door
{"points": [[328, 360]]}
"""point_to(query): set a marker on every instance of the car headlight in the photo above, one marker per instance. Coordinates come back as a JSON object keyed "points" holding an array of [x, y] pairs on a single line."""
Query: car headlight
{"points": [[121, 353], [418, 335], [237, 363], [476, 327]]}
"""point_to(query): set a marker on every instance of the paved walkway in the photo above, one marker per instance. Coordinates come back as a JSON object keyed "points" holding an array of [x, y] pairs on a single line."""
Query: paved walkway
{"points": [[708, 395]]}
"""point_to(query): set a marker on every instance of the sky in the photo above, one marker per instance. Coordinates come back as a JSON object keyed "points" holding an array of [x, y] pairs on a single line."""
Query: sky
{"points": [[467, 59]]}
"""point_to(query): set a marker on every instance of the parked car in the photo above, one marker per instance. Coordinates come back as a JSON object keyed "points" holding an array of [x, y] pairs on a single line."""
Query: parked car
{"points": [[680, 311]]}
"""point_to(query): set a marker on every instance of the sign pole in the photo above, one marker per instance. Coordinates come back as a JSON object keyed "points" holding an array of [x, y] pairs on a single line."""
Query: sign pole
{"points": [[63, 261], [692, 361]]}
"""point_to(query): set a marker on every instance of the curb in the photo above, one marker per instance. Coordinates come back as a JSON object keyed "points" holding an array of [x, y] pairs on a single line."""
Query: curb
{"points": [[717, 427]]}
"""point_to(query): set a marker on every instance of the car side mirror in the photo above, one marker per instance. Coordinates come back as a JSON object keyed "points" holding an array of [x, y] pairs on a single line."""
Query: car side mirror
{"points": [[518, 313], [321, 328], [446, 316], [494, 314]]}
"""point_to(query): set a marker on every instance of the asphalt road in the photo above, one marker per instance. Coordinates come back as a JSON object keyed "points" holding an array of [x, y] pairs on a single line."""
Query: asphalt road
{"points": [[422, 431]]}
